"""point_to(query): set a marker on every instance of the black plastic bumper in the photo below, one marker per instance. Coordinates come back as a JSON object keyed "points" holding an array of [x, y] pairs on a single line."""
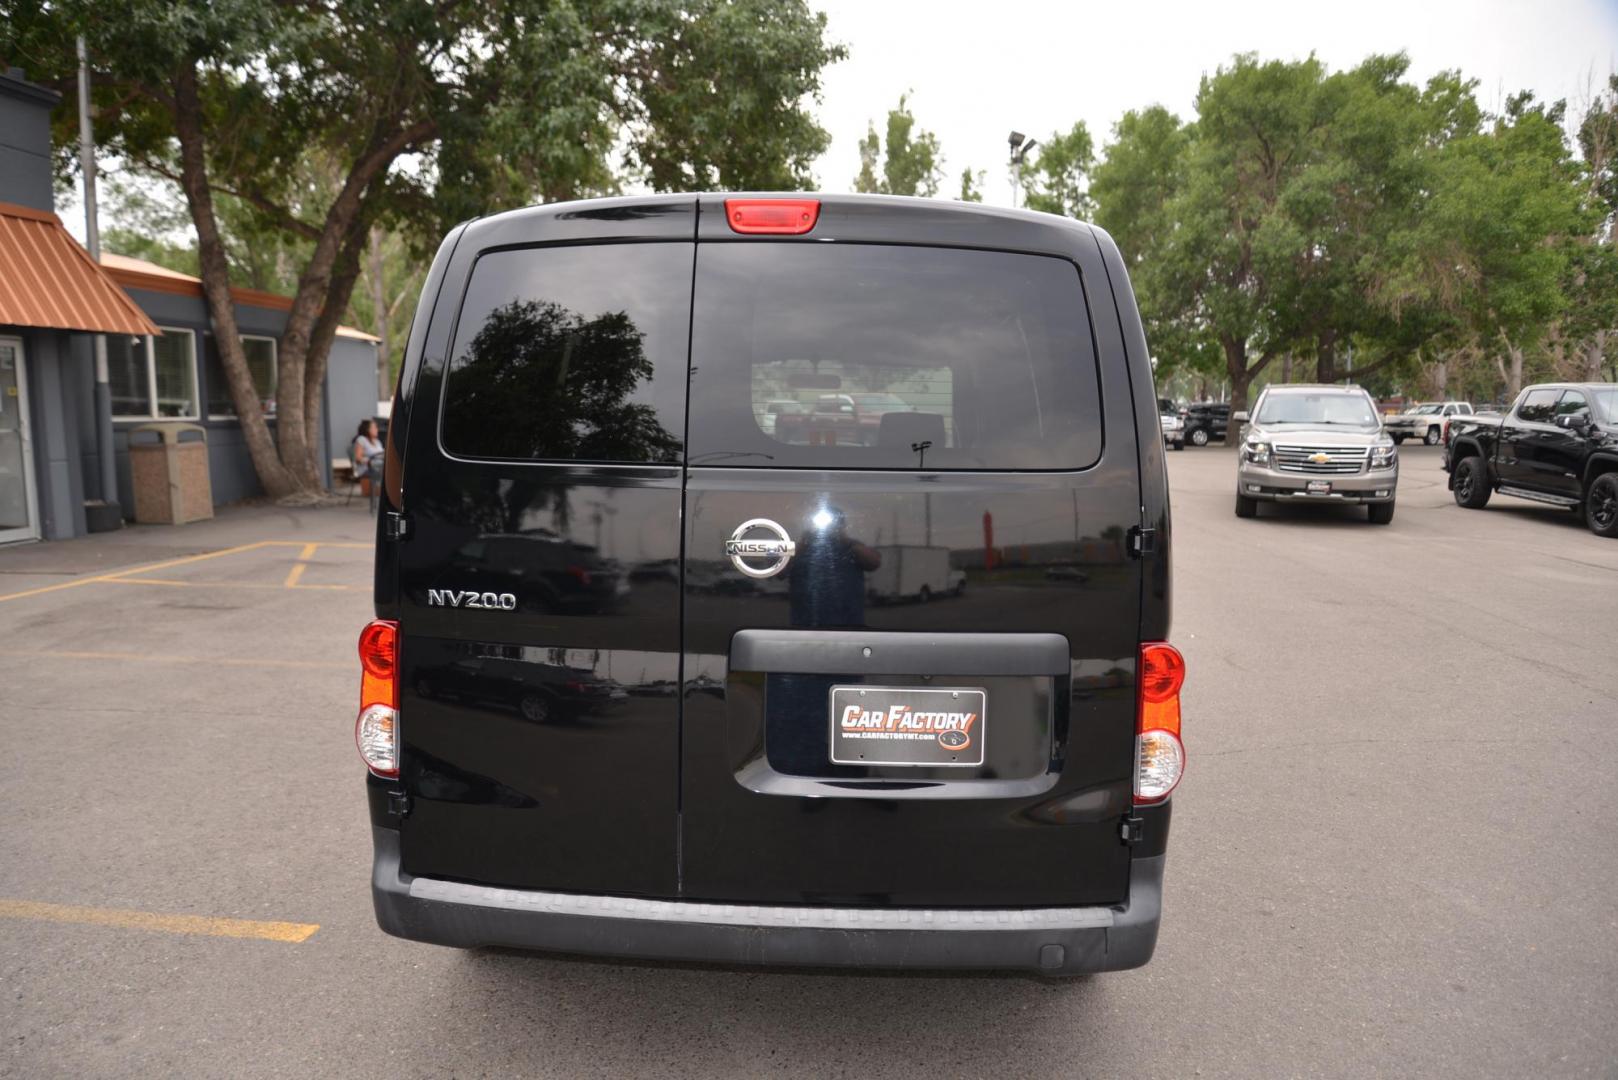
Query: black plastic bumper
{"points": [[1051, 941]]}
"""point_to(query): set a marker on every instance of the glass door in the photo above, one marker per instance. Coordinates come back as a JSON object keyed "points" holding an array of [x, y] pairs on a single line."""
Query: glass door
{"points": [[19, 518]]}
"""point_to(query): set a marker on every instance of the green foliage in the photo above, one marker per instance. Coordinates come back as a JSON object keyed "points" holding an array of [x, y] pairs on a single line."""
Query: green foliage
{"points": [[971, 186], [1354, 218], [912, 164], [318, 121], [1058, 181]]}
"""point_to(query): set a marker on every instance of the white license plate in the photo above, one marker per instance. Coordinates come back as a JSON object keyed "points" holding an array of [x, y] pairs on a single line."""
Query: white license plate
{"points": [[1318, 487], [880, 725]]}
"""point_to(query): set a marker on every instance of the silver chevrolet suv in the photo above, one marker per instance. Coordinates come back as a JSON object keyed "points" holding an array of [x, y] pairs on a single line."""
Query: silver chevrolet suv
{"points": [[1316, 444]]}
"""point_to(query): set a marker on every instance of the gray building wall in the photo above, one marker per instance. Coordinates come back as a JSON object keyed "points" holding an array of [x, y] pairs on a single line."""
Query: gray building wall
{"points": [[230, 469], [25, 142], [350, 391], [53, 433]]}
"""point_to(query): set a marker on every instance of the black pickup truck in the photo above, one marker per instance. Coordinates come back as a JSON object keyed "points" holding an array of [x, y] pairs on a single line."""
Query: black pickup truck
{"points": [[1558, 444]]}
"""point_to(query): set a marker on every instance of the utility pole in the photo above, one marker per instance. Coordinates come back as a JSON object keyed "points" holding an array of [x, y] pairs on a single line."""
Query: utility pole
{"points": [[1020, 145], [105, 457]]}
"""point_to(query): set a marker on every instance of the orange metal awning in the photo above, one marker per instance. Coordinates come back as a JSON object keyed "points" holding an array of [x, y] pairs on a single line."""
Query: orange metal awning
{"points": [[47, 279]]}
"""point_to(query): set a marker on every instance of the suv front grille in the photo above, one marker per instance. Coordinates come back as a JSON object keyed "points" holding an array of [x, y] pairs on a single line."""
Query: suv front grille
{"points": [[1339, 460]]}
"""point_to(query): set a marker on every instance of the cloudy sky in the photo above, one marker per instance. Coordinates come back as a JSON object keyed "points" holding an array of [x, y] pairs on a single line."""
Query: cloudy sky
{"points": [[978, 71]]}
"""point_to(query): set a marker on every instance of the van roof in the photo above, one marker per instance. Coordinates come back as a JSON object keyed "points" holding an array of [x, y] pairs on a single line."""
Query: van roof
{"points": [[944, 212]]}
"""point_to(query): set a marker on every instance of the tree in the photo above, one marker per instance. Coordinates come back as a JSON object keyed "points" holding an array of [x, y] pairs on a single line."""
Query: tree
{"points": [[428, 113], [1496, 234], [1058, 181], [911, 164], [1141, 171], [971, 186]]}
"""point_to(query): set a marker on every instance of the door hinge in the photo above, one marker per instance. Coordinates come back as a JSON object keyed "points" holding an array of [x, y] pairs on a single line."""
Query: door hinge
{"points": [[1142, 541], [1132, 829], [395, 526], [399, 803]]}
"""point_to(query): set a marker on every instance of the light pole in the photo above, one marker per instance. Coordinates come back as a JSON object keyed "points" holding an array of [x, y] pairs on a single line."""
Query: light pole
{"points": [[111, 516], [1020, 145]]}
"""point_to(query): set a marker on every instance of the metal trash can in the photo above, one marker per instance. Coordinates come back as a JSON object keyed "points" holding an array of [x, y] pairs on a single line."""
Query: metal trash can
{"points": [[168, 468]]}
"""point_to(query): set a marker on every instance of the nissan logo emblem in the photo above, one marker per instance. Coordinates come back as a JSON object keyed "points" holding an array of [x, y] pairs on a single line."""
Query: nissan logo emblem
{"points": [[777, 548]]}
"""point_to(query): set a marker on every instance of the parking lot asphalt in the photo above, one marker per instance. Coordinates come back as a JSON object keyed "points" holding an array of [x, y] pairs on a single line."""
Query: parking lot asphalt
{"points": [[1393, 853]]}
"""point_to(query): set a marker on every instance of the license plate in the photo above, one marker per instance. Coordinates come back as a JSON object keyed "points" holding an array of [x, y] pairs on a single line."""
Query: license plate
{"points": [[882, 725], [1318, 487]]}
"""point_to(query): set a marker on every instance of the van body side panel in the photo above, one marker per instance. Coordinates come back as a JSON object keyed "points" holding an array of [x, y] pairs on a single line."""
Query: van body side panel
{"points": [[538, 595], [1157, 600]]}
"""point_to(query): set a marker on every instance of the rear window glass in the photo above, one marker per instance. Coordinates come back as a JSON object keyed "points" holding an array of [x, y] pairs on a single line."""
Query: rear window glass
{"points": [[572, 354], [864, 356]]}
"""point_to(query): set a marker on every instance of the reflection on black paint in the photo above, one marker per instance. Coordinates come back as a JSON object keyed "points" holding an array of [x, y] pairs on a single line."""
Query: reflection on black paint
{"points": [[826, 588], [541, 381]]}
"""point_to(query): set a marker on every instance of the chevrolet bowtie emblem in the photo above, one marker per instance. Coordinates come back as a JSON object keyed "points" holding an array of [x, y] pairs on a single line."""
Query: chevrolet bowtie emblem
{"points": [[1319, 459]]}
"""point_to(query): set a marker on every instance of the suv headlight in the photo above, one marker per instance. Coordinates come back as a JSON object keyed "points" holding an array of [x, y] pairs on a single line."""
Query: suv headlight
{"points": [[1383, 455], [1256, 452]]}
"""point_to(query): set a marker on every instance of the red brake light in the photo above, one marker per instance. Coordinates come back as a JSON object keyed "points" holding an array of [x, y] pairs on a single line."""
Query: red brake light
{"points": [[1162, 672], [777, 217], [378, 644]]}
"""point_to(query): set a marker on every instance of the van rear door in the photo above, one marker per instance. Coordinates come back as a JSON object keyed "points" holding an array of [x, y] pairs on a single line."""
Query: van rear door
{"points": [[539, 584], [958, 731]]}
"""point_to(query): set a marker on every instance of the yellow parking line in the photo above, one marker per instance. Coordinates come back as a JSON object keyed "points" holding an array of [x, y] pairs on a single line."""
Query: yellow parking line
{"points": [[118, 574], [227, 584], [170, 658], [302, 564], [289, 932]]}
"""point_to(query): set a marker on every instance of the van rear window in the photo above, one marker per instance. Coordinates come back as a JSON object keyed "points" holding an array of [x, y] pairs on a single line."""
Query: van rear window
{"points": [[572, 354], [886, 357]]}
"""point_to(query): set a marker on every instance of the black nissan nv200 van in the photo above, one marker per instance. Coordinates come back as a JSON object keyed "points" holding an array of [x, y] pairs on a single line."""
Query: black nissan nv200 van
{"points": [[775, 580]]}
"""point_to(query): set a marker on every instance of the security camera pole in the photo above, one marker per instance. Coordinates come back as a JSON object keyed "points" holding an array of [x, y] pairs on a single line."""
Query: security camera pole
{"points": [[1020, 145], [92, 234]]}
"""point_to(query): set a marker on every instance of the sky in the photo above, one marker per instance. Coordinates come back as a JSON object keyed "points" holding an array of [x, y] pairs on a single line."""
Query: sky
{"points": [[975, 73]]}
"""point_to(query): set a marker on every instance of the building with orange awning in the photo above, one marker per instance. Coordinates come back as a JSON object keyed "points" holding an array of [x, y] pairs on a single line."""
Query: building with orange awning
{"points": [[163, 366]]}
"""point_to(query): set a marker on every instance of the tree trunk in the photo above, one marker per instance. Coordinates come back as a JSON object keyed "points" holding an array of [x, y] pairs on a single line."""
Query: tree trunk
{"points": [[1286, 367], [379, 306], [344, 227], [1241, 377], [1594, 357], [1326, 358], [344, 274], [276, 479]]}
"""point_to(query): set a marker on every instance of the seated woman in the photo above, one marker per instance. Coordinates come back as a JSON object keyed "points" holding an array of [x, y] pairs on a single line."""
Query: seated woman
{"points": [[367, 455]]}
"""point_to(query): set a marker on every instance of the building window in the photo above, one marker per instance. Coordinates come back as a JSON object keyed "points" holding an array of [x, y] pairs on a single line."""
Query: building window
{"points": [[153, 377], [260, 353]]}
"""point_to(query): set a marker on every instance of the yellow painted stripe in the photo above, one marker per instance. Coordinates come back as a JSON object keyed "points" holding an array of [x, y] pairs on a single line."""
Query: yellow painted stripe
{"points": [[118, 574], [174, 658], [302, 564], [290, 932], [229, 584]]}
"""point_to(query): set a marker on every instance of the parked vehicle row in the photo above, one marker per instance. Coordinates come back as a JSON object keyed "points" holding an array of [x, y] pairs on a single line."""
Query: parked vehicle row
{"points": [[1558, 444], [1425, 421]]}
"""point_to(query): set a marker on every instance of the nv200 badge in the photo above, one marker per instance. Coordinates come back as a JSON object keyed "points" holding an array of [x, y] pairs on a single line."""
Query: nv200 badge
{"points": [[466, 598]]}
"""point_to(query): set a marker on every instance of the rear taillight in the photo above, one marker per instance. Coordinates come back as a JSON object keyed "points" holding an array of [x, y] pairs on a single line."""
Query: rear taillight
{"points": [[775, 217], [1159, 754], [376, 731], [1446, 431]]}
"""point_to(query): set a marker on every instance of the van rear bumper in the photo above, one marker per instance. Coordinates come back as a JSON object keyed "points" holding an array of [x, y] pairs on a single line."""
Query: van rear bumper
{"points": [[1050, 941]]}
